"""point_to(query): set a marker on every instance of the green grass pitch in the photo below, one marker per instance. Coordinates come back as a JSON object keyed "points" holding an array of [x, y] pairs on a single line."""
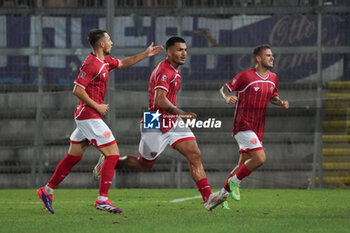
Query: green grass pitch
{"points": [[150, 210]]}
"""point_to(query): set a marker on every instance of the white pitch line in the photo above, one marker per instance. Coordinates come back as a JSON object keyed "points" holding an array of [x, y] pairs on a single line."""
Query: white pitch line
{"points": [[188, 198], [22, 202]]}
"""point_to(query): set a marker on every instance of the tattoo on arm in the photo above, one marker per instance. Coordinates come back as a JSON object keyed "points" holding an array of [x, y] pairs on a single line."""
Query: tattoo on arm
{"points": [[170, 109], [276, 100]]}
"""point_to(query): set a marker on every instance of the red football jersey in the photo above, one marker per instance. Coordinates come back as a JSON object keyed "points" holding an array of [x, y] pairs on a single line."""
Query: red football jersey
{"points": [[254, 93], [166, 77], [93, 77]]}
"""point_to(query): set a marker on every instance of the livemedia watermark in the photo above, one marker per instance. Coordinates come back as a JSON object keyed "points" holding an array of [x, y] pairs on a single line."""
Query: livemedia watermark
{"points": [[153, 120]]}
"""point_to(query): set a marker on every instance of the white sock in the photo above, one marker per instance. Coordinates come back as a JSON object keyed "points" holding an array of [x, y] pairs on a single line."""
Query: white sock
{"points": [[223, 191], [48, 190], [102, 198], [235, 180]]}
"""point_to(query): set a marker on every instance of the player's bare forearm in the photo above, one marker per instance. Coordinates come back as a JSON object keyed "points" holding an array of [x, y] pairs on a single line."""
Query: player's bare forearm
{"points": [[83, 96], [227, 97], [163, 103], [130, 61], [277, 101]]}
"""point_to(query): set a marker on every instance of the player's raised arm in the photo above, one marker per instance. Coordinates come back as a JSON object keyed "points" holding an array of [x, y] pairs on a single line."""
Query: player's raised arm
{"points": [[227, 97], [150, 51], [277, 101], [162, 102], [83, 96]]}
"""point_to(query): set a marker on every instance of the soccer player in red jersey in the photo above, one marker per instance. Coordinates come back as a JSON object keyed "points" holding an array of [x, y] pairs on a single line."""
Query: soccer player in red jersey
{"points": [[255, 89], [90, 88], [164, 85]]}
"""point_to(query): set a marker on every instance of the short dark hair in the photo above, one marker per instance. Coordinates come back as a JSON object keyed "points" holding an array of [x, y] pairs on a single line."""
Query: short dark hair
{"points": [[95, 35], [258, 50], [172, 40]]}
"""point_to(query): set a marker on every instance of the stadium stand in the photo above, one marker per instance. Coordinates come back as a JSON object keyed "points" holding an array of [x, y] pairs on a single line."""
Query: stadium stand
{"points": [[219, 151], [336, 128], [36, 116]]}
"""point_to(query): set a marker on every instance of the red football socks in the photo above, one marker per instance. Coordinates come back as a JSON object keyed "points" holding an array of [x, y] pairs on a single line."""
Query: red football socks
{"points": [[242, 172], [63, 169], [107, 173], [204, 188], [226, 186]]}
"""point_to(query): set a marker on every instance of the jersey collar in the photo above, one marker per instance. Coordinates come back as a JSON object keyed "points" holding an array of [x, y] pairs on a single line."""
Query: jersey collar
{"points": [[264, 78], [176, 70], [92, 54]]}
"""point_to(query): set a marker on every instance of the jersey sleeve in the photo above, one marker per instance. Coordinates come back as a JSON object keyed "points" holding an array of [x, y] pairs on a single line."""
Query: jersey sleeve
{"points": [[162, 81], [275, 90], [235, 83], [86, 74], [113, 62]]}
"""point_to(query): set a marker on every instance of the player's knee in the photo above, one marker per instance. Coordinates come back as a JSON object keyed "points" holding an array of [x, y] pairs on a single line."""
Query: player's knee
{"points": [[145, 167], [196, 154], [261, 159]]}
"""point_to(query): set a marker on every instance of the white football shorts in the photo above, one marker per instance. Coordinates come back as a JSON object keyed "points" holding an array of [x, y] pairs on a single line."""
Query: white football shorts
{"points": [[248, 141], [153, 142], [94, 130]]}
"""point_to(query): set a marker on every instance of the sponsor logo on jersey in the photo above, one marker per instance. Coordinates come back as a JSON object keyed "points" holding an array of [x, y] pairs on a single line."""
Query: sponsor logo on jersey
{"points": [[153, 154], [151, 120]]}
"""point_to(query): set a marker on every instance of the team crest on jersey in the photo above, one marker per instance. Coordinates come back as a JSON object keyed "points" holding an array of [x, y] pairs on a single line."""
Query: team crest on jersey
{"points": [[233, 82], [164, 77], [82, 75], [104, 75], [271, 89], [256, 88], [254, 141], [107, 134]]}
